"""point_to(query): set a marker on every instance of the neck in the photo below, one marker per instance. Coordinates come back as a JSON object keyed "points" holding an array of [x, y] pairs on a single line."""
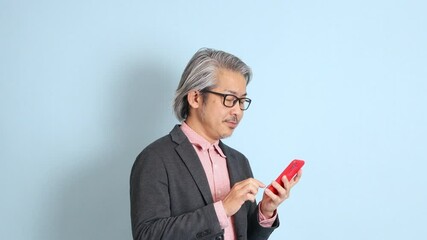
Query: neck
{"points": [[199, 129]]}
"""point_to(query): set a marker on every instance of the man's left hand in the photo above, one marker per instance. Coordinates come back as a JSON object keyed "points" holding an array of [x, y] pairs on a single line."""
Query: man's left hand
{"points": [[270, 201]]}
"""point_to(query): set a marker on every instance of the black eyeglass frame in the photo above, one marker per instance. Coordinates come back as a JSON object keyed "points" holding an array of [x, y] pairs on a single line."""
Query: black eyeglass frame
{"points": [[236, 99]]}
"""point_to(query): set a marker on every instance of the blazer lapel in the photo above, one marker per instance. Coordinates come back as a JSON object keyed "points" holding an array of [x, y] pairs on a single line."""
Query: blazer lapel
{"points": [[189, 156], [240, 218], [232, 165]]}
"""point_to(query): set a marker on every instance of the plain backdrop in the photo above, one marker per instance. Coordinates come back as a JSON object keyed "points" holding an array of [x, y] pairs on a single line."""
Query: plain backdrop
{"points": [[86, 85]]}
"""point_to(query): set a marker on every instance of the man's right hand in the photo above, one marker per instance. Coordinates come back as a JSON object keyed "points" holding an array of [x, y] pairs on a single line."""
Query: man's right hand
{"points": [[240, 193]]}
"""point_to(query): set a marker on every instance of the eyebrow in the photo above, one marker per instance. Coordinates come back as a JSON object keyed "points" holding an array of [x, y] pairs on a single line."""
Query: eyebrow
{"points": [[235, 93]]}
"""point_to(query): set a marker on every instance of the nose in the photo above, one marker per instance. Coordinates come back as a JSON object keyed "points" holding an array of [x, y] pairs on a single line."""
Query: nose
{"points": [[235, 110]]}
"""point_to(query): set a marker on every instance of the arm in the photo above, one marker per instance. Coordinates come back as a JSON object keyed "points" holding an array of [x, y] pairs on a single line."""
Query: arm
{"points": [[158, 213]]}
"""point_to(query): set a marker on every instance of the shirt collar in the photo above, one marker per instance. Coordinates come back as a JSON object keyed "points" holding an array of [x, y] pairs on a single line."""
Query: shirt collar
{"points": [[199, 141]]}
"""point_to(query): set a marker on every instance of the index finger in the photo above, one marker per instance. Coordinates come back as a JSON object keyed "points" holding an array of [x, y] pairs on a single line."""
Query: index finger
{"points": [[257, 183]]}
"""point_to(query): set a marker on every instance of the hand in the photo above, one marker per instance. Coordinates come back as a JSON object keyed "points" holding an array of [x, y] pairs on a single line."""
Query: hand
{"points": [[270, 201], [240, 193]]}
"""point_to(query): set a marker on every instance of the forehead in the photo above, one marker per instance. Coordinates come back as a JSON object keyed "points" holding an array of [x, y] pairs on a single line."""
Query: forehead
{"points": [[230, 81]]}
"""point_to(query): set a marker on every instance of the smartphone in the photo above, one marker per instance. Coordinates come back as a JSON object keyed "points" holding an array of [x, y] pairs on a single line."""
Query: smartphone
{"points": [[290, 171]]}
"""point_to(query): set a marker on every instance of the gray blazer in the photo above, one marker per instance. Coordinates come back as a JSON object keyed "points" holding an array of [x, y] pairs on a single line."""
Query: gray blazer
{"points": [[170, 194]]}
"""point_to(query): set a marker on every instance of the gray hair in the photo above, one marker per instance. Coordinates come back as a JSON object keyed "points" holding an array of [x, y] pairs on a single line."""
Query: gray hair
{"points": [[200, 74]]}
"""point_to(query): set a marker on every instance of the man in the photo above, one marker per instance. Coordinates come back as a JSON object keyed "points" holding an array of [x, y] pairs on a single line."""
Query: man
{"points": [[189, 184]]}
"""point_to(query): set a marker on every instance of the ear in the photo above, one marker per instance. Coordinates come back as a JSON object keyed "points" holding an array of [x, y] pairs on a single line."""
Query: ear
{"points": [[194, 99]]}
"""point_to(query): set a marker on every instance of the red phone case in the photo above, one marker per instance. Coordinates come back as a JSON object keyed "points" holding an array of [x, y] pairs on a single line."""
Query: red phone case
{"points": [[290, 171]]}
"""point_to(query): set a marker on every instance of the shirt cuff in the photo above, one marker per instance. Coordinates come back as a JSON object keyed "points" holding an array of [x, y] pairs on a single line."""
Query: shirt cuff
{"points": [[220, 213], [263, 220]]}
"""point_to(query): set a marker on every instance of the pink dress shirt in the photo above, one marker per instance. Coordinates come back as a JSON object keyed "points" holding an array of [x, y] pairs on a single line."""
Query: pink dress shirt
{"points": [[214, 163]]}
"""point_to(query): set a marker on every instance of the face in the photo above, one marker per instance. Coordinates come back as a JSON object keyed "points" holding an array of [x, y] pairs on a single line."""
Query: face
{"points": [[209, 117]]}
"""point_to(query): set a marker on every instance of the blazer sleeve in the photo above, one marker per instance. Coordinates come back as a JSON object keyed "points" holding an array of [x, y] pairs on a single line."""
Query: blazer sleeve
{"points": [[151, 204], [255, 230]]}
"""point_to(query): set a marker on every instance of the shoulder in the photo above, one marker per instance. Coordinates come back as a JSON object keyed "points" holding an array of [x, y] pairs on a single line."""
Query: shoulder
{"points": [[154, 158], [160, 144], [160, 149], [167, 142]]}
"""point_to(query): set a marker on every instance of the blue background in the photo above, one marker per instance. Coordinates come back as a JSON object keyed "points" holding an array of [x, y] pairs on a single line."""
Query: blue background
{"points": [[86, 85]]}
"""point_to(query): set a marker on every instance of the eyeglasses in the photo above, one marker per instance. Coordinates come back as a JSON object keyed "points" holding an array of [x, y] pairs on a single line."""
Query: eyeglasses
{"points": [[229, 100]]}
